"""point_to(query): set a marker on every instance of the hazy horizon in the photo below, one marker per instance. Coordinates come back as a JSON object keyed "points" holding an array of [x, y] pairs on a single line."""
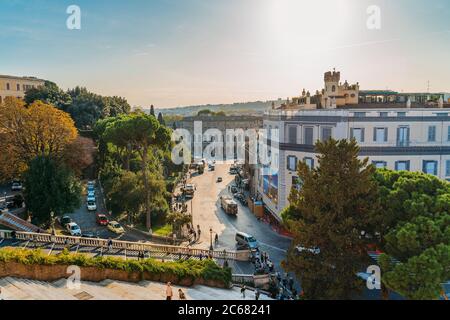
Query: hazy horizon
{"points": [[185, 53]]}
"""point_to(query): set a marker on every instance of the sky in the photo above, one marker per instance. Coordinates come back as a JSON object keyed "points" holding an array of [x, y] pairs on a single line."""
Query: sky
{"points": [[187, 52]]}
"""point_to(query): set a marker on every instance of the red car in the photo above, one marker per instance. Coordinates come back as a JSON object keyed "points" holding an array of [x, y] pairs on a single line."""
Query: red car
{"points": [[102, 220]]}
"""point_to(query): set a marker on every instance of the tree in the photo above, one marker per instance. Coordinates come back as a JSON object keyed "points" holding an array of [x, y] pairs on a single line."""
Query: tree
{"points": [[28, 132], [152, 111], [330, 212], [161, 119], [49, 93], [79, 154], [415, 230], [126, 194], [50, 186], [144, 135]]}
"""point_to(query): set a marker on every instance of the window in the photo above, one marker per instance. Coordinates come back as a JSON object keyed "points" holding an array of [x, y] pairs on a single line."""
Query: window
{"points": [[401, 114], [309, 162], [403, 136], [7, 86], [447, 168], [18, 87], [292, 163], [309, 136], [379, 164], [326, 133], [292, 134], [359, 114], [380, 134], [402, 165], [384, 114], [431, 133], [358, 134], [333, 88], [430, 167]]}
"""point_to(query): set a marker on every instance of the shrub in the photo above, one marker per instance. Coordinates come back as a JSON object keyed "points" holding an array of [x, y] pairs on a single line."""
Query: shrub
{"points": [[205, 269]]}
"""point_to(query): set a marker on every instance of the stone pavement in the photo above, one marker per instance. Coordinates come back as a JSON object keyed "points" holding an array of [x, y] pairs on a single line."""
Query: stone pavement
{"points": [[24, 289]]}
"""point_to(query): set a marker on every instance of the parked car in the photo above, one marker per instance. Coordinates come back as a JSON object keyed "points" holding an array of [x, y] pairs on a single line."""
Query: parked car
{"points": [[246, 240], [219, 179], [90, 198], [89, 234], [234, 189], [91, 193], [16, 186], [91, 205], [64, 221], [102, 220], [115, 227], [74, 229]]}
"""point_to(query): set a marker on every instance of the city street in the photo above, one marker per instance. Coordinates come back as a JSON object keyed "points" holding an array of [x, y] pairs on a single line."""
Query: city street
{"points": [[208, 214]]}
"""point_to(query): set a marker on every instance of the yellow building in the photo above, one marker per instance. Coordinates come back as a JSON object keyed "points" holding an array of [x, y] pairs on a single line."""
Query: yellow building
{"points": [[11, 86]]}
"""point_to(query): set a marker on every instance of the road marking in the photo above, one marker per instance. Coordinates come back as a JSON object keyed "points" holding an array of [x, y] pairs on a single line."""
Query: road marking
{"points": [[268, 245]]}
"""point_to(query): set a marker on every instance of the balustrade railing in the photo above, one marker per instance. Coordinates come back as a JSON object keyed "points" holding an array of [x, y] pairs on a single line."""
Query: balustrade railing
{"points": [[241, 255]]}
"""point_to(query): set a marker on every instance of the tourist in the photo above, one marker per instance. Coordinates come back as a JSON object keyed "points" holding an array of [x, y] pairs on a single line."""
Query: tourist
{"points": [[225, 264], [110, 244], [216, 239], [169, 292], [181, 295], [243, 291]]}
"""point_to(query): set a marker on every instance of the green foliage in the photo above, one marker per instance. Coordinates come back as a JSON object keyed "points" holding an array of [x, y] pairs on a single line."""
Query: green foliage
{"points": [[49, 93], [415, 229], [330, 212], [50, 187], [205, 269], [207, 112], [85, 107]]}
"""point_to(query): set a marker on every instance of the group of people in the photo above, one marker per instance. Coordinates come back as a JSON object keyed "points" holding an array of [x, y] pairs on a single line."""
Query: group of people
{"points": [[257, 292], [169, 293], [286, 286], [262, 262]]}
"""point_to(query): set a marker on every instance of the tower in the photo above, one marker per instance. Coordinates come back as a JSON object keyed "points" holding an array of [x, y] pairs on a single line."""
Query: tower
{"points": [[332, 83]]}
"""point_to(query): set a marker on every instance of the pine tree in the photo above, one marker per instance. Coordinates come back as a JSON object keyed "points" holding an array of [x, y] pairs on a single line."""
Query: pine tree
{"points": [[161, 119], [152, 110], [330, 213]]}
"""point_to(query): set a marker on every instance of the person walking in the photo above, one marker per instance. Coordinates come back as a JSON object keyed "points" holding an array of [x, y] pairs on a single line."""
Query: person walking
{"points": [[110, 244], [216, 239], [243, 291], [291, 283], [169, 292], [181, 294]]}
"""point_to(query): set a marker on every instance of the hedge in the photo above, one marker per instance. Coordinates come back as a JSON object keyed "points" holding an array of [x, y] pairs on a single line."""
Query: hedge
{"points": [[206, 269]]}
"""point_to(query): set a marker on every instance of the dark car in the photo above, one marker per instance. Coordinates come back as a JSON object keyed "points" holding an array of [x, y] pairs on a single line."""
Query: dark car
{"points": [[64, 221], [89, 234]]}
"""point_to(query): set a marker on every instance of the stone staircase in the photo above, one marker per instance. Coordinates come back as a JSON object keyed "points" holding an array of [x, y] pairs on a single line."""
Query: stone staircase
{"points": [[24, 289]]}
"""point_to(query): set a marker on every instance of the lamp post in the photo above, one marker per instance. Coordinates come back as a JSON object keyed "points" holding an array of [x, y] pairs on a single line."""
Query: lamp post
{"points": [[52, 221], [211, 248]]}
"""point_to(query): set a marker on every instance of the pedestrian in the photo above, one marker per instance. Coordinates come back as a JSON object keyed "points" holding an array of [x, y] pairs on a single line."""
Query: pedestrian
{"points": [[181, 295], [243, 291], [225, 264], [201, 256], [257, 294], [169, 292], [216, 239], [110, 244]]}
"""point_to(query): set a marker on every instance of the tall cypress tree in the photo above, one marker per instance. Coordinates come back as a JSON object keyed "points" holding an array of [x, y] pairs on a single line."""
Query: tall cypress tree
{"points": [[330, 212], [152, 110]]}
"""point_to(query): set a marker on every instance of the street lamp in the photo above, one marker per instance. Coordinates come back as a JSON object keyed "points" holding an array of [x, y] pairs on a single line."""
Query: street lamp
{"points": [[52, 221], [211, 248]]}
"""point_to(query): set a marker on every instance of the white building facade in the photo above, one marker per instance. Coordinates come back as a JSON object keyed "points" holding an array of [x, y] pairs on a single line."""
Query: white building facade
{"points": [[397, 139]]}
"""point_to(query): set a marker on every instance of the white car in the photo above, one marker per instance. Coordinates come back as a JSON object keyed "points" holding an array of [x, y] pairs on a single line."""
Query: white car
{"points": [[91, 193], [90, 198], [91, 206], [16, 186], [74, 229]]}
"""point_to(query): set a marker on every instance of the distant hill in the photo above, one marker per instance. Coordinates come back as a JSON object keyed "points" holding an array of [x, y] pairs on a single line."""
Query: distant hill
{"points": [[238, 108]]}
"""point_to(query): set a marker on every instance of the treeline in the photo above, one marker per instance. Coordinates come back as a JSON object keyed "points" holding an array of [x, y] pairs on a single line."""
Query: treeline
{"points": [[85, 107]]}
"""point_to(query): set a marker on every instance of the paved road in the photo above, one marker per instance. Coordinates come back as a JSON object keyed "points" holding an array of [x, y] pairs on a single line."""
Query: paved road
{"points": [[208, 214]]}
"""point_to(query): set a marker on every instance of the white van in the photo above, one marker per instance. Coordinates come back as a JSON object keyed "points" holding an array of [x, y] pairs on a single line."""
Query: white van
{"points": [[246, 240]]}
